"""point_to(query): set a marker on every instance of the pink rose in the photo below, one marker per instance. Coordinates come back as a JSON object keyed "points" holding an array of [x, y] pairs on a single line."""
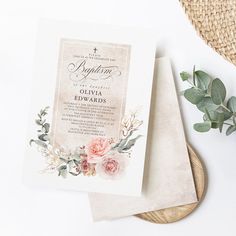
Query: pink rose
{"points": [[87, 168], [97, 148], [84, 166], [111, 166]]}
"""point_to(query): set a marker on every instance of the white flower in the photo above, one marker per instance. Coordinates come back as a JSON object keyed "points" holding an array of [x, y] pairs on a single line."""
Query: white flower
{"points": [[52, 158], [130, 124], [44, 151]]}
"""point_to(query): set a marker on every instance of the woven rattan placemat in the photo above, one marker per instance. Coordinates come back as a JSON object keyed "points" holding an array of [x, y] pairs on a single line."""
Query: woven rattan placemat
{"points": [[215, 21]]}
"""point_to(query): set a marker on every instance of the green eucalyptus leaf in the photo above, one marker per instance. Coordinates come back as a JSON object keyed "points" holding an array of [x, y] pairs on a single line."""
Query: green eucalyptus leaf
{"points": [[217, 119], [38, 121], [131, 143], [74, 174], [227, 114], [214, 125], [218, 91], [43, 130], [120, 145], [62, 171], [194, 76], [231, 104], [184, 75], [208, 115], [46, 127], [194, 95], [203, 79], [77, 162], [214, 116], [38, 142], [206, 103], [43, 137], [220, 121], [234, 120], [230, 130], [205, 118], [202, 127]]}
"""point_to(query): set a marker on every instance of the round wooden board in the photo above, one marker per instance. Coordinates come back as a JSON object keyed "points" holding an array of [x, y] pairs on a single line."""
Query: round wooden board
{"points": [[174, 214]]}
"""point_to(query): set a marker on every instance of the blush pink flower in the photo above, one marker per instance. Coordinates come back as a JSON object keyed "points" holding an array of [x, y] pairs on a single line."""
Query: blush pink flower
{"points": [[97, 148], [87, 168], [111, 166]]}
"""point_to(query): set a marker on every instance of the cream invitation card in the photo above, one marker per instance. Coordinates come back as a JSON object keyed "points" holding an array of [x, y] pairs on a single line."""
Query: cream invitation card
{"points": [[168, 179], [90, 107]]}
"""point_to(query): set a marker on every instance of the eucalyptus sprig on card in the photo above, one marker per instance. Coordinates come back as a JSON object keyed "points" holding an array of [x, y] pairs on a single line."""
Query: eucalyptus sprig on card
{"points": [[209, 96], [43, 131]]}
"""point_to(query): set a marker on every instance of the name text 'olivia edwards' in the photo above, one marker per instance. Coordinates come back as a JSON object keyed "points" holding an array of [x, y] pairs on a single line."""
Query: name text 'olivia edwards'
{"points": [[91, 96]]}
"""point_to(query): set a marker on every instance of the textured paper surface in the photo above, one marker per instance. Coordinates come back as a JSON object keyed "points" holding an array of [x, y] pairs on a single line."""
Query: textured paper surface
{"points": [[111, 68], [91, 91], [168, 177]]}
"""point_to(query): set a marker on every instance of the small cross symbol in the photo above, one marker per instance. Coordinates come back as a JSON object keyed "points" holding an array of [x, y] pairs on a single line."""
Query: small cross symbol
{"points": [[95, 50]]}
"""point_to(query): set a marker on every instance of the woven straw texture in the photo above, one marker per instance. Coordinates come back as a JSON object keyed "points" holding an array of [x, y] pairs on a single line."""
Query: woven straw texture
{"points": [[215, 21]]}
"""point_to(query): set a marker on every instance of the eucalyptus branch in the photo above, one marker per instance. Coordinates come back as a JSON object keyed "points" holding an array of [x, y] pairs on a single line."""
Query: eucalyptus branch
{"points": [[44, 126], [209, 96]]}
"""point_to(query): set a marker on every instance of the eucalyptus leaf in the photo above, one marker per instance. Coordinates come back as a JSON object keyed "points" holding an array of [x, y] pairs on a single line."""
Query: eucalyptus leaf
{"points": [[231, 104], [234, 120], [220, 121], [218, 91], [203, 79], [214, 125], [184, 75], [76, 162], [74, 174], [131, 143], [46, 126], [227, 114], [202, 127], [213, 116], [62, 171], [206, 103], [194, 76], [38, 142], [208, 115], [230, 130], [38, 121], [43, 130], [194, 95], [122, 142], [43, 137], [216, 118]]}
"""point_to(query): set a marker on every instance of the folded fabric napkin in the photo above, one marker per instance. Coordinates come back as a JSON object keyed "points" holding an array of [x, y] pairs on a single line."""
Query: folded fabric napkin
{"points": [[168, 179]]}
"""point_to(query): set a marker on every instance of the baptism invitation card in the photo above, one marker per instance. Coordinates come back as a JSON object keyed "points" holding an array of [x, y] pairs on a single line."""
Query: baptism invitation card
{"points": [[90, 107]]}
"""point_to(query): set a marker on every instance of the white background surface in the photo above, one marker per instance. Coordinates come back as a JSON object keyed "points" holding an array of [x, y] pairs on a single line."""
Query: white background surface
{"points": [[25, 211]]}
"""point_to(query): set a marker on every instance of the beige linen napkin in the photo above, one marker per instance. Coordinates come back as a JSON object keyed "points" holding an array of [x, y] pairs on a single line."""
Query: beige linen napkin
{"points": [[168, 177]]}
